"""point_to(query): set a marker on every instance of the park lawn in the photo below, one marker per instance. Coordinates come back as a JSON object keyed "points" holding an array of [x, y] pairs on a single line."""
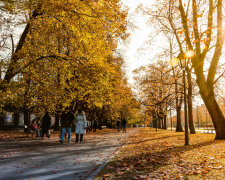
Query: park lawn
{"points": [[162, 155]]}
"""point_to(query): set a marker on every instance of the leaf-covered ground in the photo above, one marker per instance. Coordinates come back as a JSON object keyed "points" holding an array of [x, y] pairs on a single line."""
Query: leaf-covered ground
{"points": [[162, 155]]}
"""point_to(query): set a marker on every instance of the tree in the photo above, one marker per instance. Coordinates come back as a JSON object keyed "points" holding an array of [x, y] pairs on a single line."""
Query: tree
{"points": [[66, 53], [202, 43], [197, 25], [155, 88]]}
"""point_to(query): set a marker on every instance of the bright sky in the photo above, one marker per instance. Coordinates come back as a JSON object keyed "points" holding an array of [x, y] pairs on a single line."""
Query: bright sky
{"points": [[135, 50]]}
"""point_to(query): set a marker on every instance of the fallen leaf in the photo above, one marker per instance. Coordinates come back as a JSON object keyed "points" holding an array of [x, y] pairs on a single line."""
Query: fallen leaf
{"points": [[204, 172], [106, 175]]}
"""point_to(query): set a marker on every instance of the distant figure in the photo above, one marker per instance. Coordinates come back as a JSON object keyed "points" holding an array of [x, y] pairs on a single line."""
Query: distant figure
{"points": [[118, 125], [67, 119], [35, 127], [38, 121], [81, 125], [95, 123], [45, 125], [124, 124]]}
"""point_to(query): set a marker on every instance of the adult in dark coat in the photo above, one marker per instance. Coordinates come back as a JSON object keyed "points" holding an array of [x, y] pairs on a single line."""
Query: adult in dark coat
{"points": [[124, 124], [95, 123], [118, 125], [45, 125], [67, 119]]}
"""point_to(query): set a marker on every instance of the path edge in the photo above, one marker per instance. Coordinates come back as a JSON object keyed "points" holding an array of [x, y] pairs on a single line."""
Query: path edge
{"points": [[92, 175]]}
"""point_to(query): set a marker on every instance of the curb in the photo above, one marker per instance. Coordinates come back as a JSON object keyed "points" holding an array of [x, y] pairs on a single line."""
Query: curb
{"points": [[92, 175]]}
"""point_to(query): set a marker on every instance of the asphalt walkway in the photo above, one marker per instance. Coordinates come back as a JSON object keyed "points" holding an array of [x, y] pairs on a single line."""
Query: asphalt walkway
{"points": [[37, 159]]}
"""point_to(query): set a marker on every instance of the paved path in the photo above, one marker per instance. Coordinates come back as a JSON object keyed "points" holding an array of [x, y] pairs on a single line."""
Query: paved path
{"points": [[37, 159]]}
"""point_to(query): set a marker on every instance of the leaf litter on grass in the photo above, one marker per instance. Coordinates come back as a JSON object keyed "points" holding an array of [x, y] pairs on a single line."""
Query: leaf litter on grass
{"points": [[162, 155]]}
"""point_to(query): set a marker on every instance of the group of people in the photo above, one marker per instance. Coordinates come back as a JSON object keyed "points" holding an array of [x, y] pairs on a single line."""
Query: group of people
{"points": [[43, 128], [67, 119], [124, 125]]}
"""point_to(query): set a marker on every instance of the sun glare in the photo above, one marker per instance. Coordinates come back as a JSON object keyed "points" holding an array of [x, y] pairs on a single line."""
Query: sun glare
{"points": [[174, 61], [189, 54]]}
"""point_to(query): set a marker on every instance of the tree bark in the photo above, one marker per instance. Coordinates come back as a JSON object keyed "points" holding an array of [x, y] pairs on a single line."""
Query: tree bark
{"points": [[16, 118], [215, 113], [11, 71], [179, 126], [165, 122], [101, 117], [26, 115], [56, 128], [26, 101]]}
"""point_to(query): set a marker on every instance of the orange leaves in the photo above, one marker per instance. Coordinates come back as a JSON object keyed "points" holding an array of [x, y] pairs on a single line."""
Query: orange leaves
{"points": [[195, 41], [125, 164], [142, 156], [180, 32], [106, 175], [205, 172], [196, 172], [199, 15], [138, 163]]}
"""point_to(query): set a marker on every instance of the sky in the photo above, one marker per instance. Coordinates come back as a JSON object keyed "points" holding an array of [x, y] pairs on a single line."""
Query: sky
{"points": [[135, 50]]}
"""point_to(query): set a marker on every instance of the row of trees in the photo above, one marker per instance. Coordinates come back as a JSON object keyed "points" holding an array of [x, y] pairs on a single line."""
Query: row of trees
{"points": [[189, 25], [65, 56]]}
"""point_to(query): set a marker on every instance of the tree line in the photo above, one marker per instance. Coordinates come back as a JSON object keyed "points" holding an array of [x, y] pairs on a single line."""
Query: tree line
{"points": [[195, 26], [65, 57]]}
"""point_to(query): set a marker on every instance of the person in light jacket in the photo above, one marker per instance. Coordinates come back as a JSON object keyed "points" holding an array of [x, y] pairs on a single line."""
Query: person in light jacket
{"points": [[81, 125]]}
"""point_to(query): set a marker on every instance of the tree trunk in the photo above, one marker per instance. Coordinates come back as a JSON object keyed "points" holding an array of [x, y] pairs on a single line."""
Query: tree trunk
{"points": [[159, 122], [179, 126], [206, 85], [165, 123], [101, 117], [190, 109], [2, 120], [16, 118], [26, 115], [215, 113], [12, 71], [56, 128]]}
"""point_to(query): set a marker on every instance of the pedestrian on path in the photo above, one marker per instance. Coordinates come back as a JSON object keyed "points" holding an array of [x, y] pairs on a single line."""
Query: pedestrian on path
{"points": [[81, 125], [45, 125], [118, 125], [124, 124], [95, 123], [67, 119]]}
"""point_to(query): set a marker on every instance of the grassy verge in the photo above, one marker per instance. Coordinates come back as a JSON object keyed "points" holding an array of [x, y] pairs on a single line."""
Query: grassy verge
{"points": [[162, 155]]}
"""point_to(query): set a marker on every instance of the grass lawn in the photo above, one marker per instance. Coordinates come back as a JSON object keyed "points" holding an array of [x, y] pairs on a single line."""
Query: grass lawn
{"points": [[162, 155]]}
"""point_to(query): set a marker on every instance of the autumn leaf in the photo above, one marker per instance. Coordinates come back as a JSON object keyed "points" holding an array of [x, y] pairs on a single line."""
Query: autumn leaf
{"points": [[204, 172], [106, 175]]}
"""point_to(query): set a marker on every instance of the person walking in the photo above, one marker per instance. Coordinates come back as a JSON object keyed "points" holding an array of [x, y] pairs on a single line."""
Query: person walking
{"points": [[118, 125], [45, 125], [81, 125], [95, 123], [67, 119], [124, 124]]}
